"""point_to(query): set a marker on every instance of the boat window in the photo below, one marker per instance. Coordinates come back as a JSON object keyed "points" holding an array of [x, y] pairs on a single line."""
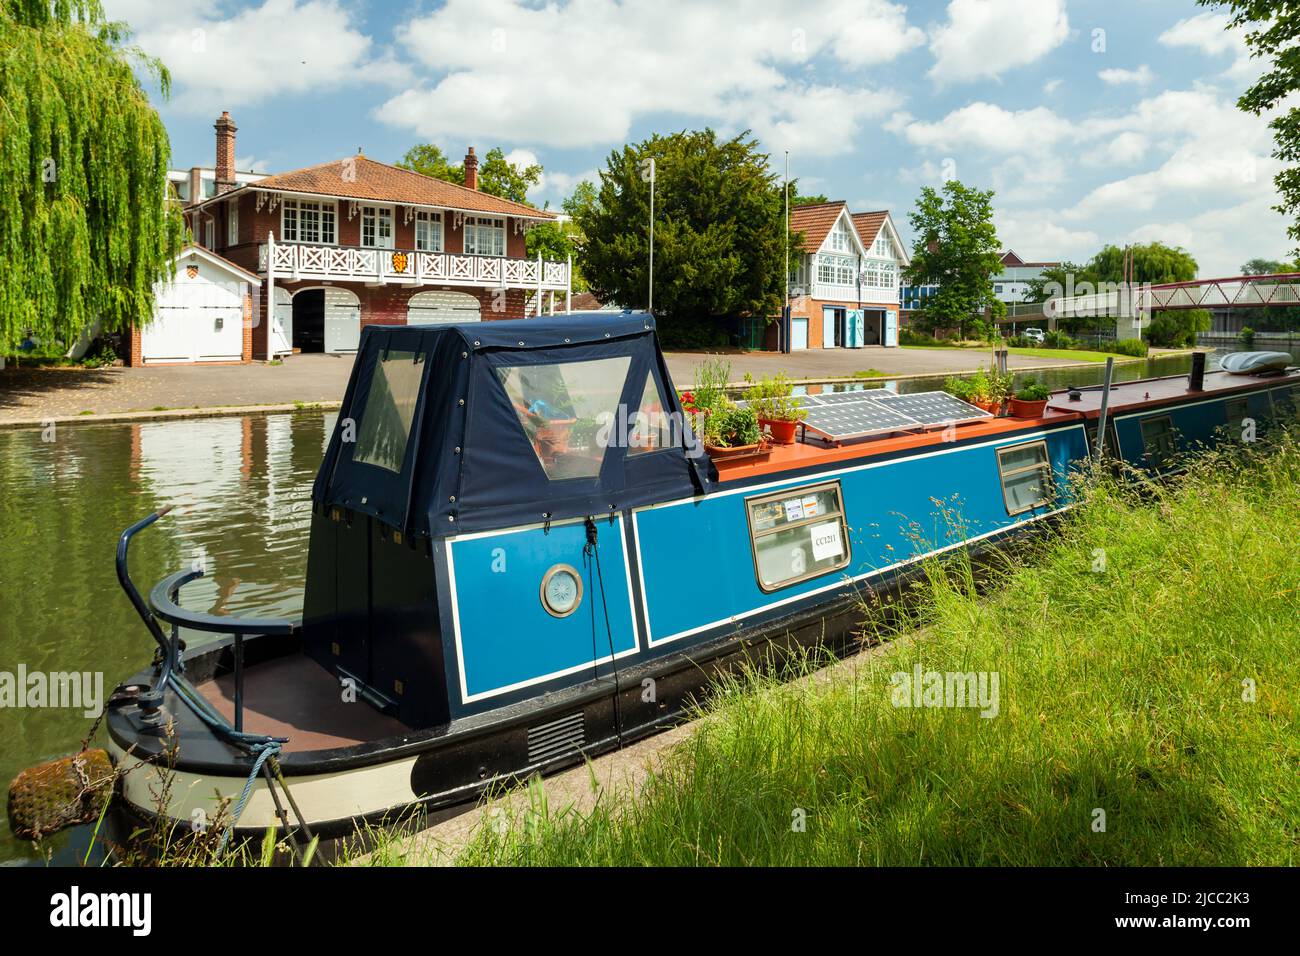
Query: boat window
{"points": [[1158, 441], [798, 534], [566, 410], [651, 429], [389, 409], [1026, 475]]}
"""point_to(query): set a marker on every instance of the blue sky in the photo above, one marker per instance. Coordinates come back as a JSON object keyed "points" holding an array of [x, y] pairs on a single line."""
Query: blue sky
{"points": [[1095, 121]]}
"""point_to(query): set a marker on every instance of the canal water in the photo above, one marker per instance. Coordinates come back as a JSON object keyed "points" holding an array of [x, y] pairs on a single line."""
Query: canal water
{"points": [[241, 489]]}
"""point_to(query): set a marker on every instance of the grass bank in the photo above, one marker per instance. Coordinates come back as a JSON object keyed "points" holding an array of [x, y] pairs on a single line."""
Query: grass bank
{"points": [[1147, 694]]}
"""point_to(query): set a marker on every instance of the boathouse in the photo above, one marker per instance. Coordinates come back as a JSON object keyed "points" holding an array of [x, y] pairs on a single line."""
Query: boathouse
{"points": [[353, 242], [844, 283]]}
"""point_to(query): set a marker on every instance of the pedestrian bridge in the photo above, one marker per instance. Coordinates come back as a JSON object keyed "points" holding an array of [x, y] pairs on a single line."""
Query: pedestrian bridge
{"points": [[1133, 304]]}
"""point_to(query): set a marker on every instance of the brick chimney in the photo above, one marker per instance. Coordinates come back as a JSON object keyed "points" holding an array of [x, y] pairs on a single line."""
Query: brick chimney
{"points": [[226, 129], [471, 170]]}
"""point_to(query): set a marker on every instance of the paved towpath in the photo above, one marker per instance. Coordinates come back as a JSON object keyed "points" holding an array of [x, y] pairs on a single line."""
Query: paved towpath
{"points": [[33, 396]]}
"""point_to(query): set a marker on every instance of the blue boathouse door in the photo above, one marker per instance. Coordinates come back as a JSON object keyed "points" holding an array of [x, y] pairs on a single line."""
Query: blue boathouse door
{"points": [[890, 339]]}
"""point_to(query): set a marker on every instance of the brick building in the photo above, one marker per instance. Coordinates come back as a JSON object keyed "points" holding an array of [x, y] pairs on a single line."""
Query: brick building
{"points": [[845, 281], [354, 242]]}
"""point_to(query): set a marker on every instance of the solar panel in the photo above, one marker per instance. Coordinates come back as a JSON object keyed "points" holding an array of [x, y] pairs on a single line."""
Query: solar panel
{"points": [[933, 408], [857, 418], [888, 412]]}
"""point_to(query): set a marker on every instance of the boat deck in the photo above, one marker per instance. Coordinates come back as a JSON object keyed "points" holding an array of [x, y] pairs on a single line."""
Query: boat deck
{"points": [[295, 697], [1124, 397]]}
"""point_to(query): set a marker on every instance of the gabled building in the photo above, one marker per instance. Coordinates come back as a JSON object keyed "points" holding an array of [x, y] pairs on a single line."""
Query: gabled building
{"points": [[353, 242], [1011, 284], [844, 283]]}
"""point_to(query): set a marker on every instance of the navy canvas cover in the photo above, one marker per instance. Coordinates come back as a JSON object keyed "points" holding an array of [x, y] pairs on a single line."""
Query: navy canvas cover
{"points": [[467, 463]]}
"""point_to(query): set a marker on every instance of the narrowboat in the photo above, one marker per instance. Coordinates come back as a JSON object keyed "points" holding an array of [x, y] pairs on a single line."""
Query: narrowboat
{"points": [[520, 555]]}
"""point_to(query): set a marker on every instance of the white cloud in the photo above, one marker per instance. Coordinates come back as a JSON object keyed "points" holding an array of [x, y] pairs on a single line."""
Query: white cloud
{"points": [[984, 38], [1209, 33], [1142, 76], [1037, 235], [581, 73], [1051, 86], [1221, 239], [223, 60], [990, 127]]}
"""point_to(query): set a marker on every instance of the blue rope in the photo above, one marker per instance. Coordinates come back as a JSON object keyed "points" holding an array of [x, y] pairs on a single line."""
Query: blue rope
{"points": [[263, 751]]}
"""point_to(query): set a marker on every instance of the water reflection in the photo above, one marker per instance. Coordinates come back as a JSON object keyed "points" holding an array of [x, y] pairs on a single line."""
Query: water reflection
{"points": [[241, 489]]}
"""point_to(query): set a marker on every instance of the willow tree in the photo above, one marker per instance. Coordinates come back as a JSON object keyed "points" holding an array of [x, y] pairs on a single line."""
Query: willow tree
{"points": [[85, 224]]}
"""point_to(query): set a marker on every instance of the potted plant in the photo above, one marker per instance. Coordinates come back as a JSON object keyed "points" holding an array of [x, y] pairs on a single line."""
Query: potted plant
{"points": [[774, 405], [733, 432], [1030, 400], [958, 388]]}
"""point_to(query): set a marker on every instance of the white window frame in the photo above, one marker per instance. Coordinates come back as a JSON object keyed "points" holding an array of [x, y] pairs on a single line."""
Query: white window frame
{"points": [[1044, 466], [431, 220], [374, 214], [835, 269], [232, 224], [209, 233], [325, 228], [840, 240], [756, 534], [481, 228]]}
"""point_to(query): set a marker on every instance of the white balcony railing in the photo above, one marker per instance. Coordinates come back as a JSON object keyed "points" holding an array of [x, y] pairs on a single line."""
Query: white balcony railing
{"points": [[837, 292], [299, 261]]}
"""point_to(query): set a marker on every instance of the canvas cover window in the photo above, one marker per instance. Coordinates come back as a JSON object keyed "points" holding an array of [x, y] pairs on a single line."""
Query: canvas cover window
{"points": [[567, 411], [389, 410]]}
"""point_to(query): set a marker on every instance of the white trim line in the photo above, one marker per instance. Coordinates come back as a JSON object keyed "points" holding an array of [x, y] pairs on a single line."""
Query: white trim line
{"points": [[468, 698]]}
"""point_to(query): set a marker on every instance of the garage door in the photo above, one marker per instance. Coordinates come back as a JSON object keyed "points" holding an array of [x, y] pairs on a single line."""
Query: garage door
{"points": [[431, 307], [798, 334], [282, 323], [342, 321], [195, 321]]}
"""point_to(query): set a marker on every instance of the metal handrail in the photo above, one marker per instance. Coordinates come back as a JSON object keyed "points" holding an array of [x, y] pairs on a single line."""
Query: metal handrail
{"points": [[163, 606]]}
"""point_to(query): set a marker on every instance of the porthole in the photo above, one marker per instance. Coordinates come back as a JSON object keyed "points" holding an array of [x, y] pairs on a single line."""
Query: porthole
{"points": [[561, 590]]}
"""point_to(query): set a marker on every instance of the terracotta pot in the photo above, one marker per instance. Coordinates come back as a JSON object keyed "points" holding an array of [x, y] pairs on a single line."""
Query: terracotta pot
{"points": [[783, 432], [1023, 409], [554, 435], [988, 406]]}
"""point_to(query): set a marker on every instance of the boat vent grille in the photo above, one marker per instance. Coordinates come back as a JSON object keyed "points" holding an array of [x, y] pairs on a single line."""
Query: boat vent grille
{"points": [[558, 737]]}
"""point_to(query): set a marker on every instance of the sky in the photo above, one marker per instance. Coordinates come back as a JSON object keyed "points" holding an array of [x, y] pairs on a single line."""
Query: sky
{"points": [[1094, 121]]}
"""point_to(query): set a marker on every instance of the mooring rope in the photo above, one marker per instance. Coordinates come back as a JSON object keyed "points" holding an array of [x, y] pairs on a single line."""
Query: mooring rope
{"points": [[264, 751]]}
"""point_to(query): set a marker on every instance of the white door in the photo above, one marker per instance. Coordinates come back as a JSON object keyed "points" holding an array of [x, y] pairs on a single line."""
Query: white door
{"points": [[342, 321], [798, 334], [828, 327], [426, 308], [891, 329], [282, 323], [195, 320], [377, 227]]}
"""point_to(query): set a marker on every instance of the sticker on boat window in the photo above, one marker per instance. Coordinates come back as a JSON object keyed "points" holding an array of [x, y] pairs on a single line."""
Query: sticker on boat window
{"points": [[797, 535]]}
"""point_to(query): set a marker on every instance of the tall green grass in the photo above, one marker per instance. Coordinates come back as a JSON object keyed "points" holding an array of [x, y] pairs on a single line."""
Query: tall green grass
{"points": [[1127, 647]]}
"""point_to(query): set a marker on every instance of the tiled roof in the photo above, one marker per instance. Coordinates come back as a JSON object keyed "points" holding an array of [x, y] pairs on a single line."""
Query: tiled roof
{"points": [[815, 222], [868, 225], [358, 177], [1009, 258]]}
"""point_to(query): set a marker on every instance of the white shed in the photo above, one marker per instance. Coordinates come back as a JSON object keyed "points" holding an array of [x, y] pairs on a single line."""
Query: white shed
{"points": [[199, 314]]}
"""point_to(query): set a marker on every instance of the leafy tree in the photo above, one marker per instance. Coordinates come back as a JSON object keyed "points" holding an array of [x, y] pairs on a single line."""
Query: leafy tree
{"points": [[957, 249], [497, 176], [1177, 328], [719, 233], [1272, 33], [817, 200], [1265, 267], [429, 159], [85, 227], [1153, 262]]}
